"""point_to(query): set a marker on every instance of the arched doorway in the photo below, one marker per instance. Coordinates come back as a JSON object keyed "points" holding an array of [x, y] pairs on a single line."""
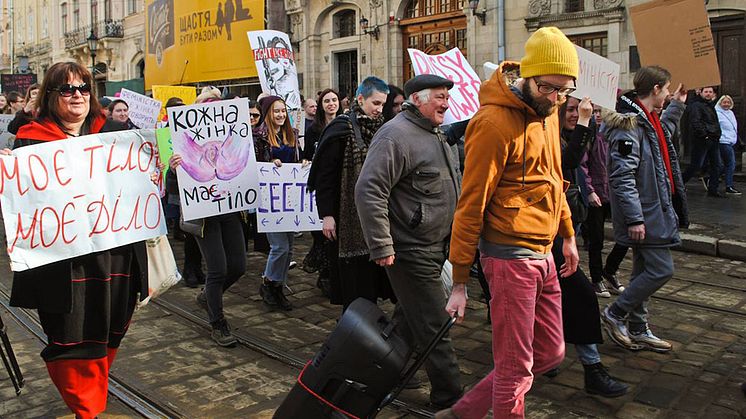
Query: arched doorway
{"points": [[433, 26]]}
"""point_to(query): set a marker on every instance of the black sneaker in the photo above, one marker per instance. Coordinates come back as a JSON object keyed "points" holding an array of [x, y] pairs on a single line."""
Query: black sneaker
{"points": [[613, 283], [601, 290], [598, 381], [221, 334], [732, 191], [202, 300]]}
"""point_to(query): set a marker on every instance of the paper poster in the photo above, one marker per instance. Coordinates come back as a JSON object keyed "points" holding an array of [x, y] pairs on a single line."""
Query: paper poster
{"points": [[285, 203], [188, 94], [676, 35], [62, 199], [464, 95], [143, 111], [6, 138], [275, 63], [218, 171], [598, 79], [165, 147]]}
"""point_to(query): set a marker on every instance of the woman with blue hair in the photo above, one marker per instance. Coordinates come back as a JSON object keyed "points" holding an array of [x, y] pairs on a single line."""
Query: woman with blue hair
{"points": [[336, 166]]}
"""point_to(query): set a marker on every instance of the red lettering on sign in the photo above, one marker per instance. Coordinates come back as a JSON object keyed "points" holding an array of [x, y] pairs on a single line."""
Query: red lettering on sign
{"points": [[66, 222], [99, 206], [5, 175], [56, 229], [153, 197], [25, 235], [91, 149], [34, 172], [58, 169]]}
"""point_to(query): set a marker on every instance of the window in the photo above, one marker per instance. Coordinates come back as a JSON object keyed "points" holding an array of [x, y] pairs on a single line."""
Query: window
{"points": [[595, 42], [132, 7], [572, 6], [30, 27], [63, 15], [422, 8], [44, 21], [76, 15], [107, 9], [344, 23], [94, 11]]}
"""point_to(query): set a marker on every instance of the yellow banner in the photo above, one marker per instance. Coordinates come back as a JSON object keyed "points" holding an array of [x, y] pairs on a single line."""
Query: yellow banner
{"points": [[190, 41], [187, 94]]}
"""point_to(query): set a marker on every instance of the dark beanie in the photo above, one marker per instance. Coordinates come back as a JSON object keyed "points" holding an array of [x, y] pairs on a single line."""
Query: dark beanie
{"points": [[265, 103]]}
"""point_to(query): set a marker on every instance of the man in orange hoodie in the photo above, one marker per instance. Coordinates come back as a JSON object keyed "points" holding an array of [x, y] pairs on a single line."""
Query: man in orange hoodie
{"points": [[511, 207]]}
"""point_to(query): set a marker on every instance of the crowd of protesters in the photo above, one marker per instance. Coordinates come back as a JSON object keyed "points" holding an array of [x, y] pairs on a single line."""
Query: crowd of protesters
{"points": [[504, 194]]}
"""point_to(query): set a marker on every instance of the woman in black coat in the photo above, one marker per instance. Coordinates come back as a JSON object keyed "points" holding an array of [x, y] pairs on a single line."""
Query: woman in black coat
{"points": [[580, 316], [84, 313]]}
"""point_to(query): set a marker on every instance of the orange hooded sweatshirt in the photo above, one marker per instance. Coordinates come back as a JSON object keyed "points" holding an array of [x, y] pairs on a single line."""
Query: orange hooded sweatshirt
{"points": [[512, 192]]}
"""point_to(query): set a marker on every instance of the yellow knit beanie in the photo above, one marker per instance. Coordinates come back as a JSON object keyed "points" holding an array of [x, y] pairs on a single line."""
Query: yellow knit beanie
{"points": [[548, 51]]}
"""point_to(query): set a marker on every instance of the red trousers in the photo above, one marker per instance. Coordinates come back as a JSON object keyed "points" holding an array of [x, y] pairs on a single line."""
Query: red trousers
{"points": [[526, 314]]}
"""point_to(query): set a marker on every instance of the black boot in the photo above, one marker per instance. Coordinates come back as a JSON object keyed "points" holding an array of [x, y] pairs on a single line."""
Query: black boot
{"points": [[598, 381], [278, 290], [267, 294]]}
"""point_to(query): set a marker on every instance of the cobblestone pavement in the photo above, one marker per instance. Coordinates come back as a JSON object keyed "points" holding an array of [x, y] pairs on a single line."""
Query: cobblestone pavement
{"points": [[176, 362]]}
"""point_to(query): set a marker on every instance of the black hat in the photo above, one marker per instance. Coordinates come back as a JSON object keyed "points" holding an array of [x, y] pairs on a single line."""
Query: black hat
{"points": [[105, 102], [425, 81]]}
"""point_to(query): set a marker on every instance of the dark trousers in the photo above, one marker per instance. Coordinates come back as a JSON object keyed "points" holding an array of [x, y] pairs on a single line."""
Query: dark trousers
{"points": [[225, 256], [705, 150], [420, 313], [594, 226], [192, 256]]}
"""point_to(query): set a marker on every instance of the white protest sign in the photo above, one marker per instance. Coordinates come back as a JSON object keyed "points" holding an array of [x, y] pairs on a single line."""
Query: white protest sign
{"points": [[143, 110], [67, 198], [6, 138], [218, 170], [286, 204], [275, 63], [598, 79], [464, 95]]}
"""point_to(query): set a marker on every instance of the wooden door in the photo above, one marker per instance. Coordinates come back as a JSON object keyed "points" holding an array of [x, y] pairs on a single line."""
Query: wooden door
{"points": [[729, 34]]}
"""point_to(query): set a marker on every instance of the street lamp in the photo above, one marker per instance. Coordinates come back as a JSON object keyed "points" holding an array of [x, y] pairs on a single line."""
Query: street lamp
{"points": [[92, 47], [473, 5]]}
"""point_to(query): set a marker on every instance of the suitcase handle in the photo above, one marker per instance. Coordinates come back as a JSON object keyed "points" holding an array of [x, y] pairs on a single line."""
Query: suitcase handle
{"points": [[418, 361]]}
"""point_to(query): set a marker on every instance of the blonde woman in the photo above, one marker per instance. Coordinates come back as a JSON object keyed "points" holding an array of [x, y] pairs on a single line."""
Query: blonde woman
{"points": [[728, 141]]}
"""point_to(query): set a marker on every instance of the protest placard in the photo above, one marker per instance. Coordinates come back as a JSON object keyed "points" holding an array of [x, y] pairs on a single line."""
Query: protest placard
{"points": [[188, 94], [464, 95], [218, 170], [143, 110], [6, 138], [62, 199], [275, 63], [285, 202], [165, 147], [598, 79], [676, 35], [17, 82]]}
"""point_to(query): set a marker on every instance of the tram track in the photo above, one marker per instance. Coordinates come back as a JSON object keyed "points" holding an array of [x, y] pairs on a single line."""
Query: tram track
{"points": [[130, 396]]}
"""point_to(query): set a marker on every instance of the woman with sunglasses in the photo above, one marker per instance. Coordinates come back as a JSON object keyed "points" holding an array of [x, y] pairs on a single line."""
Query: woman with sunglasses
{"points": [[84, 317], [255, 114], [275, 140]]}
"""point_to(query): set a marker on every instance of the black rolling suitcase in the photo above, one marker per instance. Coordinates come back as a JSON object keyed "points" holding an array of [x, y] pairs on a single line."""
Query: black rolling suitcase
{"points": [[360, 368]]}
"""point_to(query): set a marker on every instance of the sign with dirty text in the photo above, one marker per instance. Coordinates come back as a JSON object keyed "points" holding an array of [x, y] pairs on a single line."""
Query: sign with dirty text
{"points": [[676, 35], [218, 170], [464, 95], [598, 79], [63, 199], [286, 204]]}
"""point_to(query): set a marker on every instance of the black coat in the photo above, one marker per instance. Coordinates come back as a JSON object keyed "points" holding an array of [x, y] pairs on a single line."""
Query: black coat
{"points": [[49, 287], [700, 122]]}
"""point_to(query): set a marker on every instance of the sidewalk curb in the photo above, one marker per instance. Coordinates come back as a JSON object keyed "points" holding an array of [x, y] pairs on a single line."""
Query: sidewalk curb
{"points": [[697, 243]]}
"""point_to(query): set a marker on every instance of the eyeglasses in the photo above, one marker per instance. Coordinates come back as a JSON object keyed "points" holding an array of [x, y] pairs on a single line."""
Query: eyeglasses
{"points": [[67, 90], [547, 88], [255, 115]]}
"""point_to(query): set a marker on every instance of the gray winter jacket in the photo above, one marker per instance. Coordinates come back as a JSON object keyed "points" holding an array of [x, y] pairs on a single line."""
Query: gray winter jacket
{"points": [[639, 187], [408, 187]]}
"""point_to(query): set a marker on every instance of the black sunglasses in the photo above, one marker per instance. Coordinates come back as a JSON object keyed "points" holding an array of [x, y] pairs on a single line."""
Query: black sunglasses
{"points": [[67, 90], [255, 115]]}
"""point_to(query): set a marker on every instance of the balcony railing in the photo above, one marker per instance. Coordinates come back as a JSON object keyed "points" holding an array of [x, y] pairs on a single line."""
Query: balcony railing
{"points": [[103, 29]]}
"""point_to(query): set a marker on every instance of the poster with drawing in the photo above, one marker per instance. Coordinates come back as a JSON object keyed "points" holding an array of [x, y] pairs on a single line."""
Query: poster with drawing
{"points": [[275, 63], [218, 170], [6, 138]]}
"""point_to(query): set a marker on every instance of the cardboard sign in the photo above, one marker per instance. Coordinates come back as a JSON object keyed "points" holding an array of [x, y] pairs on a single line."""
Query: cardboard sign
{"points": [[598, 79], [68, 198], [275, 63], [464, 95], [218, 170], [6, 138], [143, 110], [17, 82], [286, 204], [676, 35], [187, 94]]}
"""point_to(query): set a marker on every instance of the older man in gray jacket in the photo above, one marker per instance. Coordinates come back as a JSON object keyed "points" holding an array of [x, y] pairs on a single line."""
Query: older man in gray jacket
{"points": [[406, 197]]}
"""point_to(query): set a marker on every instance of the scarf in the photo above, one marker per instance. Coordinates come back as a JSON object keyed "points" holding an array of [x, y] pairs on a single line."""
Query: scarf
{"points": [[656, 123], [350, 233], [46, 130]]}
